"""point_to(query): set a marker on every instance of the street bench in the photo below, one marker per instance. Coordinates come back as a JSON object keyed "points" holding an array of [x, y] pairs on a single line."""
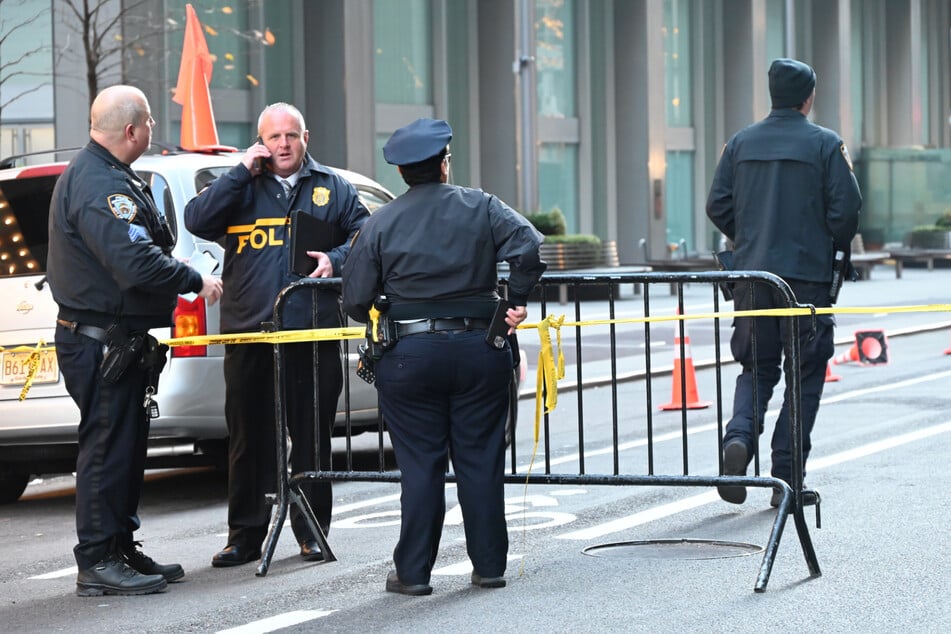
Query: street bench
{"points": [[908, 254], [863, 261]]}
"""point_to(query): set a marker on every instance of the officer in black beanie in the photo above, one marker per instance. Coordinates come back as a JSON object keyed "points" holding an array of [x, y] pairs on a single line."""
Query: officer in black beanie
{"points": [[785, 195]]}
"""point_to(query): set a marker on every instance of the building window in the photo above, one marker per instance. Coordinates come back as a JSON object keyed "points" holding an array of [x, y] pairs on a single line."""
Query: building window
{"points": [[558, 181], [556, 98], [681, 154], [555, 58], [26, 66], [402, 51], [402, 72]]}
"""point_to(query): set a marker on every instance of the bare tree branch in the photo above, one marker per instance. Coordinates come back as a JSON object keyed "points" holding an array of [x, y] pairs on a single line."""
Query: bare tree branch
{"points": [[10, 67]]}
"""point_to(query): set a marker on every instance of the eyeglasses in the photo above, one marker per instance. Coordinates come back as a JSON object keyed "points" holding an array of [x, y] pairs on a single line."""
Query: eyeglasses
{"points": [[151, 122], [448, 157]]}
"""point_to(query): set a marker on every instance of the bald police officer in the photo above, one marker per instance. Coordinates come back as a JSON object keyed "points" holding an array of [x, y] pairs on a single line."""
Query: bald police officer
{"points": [[785, 194], [433, 252], [111, 273]]}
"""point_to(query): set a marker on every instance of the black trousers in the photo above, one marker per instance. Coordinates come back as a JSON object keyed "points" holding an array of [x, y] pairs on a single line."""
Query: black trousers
{"points": [[764, 369], [113, 438], [249, 411], [446, 394]]}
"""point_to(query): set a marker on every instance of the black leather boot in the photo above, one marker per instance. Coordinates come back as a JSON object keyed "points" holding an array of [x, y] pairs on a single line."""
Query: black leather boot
{"points": [[112, 576], [140, 562]]}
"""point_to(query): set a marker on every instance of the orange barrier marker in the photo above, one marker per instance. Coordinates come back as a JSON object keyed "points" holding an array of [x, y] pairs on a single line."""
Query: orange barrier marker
{"points": [[677, 393]]}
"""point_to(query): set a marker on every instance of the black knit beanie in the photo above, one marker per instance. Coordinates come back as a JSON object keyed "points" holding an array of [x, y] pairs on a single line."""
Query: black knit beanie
{"points": [[790, 82]]}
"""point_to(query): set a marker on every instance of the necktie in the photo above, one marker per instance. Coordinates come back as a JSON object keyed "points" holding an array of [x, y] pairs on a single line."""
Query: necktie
{"points": [[287, 187]]}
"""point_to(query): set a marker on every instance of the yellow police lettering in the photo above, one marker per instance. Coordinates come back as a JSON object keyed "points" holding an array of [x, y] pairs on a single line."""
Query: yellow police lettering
{"points": [[258, 239]]}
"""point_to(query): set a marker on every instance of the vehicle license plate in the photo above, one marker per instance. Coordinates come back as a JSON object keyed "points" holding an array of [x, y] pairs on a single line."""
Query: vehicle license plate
{"points": [[14, 367]]}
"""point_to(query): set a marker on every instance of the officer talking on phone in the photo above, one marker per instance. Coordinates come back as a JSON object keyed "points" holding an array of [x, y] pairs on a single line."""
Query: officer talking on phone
{"points": [[443, 381]]}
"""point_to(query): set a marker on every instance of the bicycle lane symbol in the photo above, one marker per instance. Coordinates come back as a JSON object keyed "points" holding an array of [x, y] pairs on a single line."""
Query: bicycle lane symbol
{"points": [[523, 512]]}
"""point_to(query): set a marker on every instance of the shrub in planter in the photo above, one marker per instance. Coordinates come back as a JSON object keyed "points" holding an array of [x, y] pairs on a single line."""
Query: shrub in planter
{"points": [[549, 223], [936, 236], [562, 250]]}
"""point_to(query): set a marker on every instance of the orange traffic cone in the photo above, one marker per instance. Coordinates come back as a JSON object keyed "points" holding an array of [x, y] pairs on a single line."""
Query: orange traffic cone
{"points": [[831, 378], [199, 131], [870, 348], [846, 357], [677, 394]]}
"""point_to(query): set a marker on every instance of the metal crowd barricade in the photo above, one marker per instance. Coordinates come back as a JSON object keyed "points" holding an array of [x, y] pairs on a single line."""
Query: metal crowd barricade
{"points": [[608, 289]]}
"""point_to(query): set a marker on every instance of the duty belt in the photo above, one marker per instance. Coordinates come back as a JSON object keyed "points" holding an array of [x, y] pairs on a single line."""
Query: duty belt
{"points": [[93, 332], [440, 325]]}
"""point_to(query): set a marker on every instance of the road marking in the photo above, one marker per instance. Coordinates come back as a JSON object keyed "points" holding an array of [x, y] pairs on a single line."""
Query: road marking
{"points": [[665, 510], [56, 574], [464, 567], [891, 386], [277, 622]]}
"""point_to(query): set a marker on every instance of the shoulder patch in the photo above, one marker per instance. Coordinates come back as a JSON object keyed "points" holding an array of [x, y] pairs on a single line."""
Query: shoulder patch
{"points": [[321, 196], [845, 155], [122, 206]]}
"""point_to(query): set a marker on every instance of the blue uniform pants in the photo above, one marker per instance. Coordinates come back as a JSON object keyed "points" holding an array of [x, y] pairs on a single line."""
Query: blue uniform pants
{"points": [[113, 437], [443, 395], [765, 368]]}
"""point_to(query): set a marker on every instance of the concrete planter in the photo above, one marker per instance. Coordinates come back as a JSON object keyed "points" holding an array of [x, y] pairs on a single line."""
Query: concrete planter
{"points": [[562, 256], [930, 240]]}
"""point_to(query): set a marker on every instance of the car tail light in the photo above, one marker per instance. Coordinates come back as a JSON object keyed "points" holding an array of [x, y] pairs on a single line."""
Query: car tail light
{"points": [[189, 321]]}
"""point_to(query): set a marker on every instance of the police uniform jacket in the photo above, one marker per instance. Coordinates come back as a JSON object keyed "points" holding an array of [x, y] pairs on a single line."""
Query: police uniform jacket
{"points": [[785, 194], [439, 243], [253, 216], [109, 248]]}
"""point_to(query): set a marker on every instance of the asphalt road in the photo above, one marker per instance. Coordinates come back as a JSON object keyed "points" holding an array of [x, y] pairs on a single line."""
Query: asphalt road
{"points": [[670, 558]]}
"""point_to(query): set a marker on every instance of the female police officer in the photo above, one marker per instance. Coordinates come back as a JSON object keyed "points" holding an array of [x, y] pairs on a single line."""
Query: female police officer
{"points": [[433, 252]]}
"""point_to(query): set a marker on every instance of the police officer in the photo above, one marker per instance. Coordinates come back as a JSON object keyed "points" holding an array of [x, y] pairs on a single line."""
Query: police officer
{"points": [[785, 194], [433, 252], [110, 272], [250, 208]]}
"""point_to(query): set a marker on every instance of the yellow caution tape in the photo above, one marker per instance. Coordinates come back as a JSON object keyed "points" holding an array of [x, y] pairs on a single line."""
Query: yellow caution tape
{"points": [[281, 336], [547, 377], [549, 372], [33, 363]]}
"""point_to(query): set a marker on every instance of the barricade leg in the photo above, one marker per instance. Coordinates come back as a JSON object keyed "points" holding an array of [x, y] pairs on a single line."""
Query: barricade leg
{"points": [[288, 489]]}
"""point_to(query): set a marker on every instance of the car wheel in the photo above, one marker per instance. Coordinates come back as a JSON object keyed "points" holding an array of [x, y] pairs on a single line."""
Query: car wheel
{"points": [[12, 484]]}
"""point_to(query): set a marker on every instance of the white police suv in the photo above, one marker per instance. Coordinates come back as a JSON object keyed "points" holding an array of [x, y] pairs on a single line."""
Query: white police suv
{"points": [[38, 434]]}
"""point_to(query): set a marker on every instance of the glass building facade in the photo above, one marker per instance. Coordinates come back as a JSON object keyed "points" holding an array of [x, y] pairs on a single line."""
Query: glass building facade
{"points": [[613, 111]]}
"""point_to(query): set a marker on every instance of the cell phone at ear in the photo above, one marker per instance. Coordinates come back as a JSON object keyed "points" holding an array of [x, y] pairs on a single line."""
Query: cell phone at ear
{"points": [[261, 163]]}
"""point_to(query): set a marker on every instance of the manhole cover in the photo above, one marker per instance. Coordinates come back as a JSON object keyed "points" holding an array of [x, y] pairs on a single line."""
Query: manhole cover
{"points": [[673, 549]]}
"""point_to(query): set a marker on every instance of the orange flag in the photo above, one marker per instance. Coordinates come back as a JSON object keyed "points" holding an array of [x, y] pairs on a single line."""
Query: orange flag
{"points": [[198, 119]]}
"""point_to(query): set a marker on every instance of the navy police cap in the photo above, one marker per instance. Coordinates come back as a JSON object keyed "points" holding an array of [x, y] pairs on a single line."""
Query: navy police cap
{"points": [[418, 141]]}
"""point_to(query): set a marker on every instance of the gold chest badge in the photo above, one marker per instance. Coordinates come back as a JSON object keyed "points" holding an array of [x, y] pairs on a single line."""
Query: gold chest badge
{"points": [[321, 196]]}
